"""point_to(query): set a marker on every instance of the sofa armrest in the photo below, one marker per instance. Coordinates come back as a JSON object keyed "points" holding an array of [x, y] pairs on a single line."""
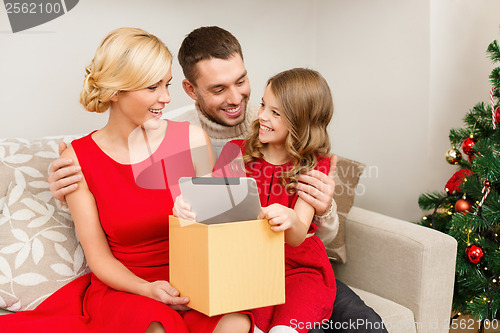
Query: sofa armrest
{"points": [[401, 261]]}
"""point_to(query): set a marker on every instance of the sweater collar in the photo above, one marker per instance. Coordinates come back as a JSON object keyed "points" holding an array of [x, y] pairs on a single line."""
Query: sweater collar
{"points": [[218, 131]]}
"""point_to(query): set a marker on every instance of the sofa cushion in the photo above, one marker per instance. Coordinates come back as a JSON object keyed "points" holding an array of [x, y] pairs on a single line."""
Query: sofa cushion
{"points": [[4, 312], [6, 174], [346, 180], [39, 251], [27, 162], [397, 318]]}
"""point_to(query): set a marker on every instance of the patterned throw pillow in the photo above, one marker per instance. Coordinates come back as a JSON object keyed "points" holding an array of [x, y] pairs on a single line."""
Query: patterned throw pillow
{"points": [[346, 180], [6, 174], [39, 250]]}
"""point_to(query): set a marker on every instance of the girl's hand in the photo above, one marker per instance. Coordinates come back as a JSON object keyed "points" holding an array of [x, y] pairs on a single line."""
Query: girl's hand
{"points": [[164, 292], [183, 210], [280, 218]]}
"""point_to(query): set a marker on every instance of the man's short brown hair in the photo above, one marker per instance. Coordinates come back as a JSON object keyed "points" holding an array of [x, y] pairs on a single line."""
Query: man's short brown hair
{"points": [[206, 43]]}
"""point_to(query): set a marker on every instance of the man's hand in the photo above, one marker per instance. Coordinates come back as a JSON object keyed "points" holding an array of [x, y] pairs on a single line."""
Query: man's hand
{"points": [[63, 177], [317, 189]]}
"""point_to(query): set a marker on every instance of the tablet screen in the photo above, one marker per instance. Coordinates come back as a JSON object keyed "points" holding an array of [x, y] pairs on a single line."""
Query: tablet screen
{"points": [[221, 199]]}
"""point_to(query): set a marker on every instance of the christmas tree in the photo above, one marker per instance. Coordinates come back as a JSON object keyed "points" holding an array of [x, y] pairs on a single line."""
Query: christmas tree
{"points": [[469, 207]]}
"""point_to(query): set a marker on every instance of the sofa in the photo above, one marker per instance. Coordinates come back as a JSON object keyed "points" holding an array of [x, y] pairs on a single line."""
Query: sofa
{"points": [[404, 271]]}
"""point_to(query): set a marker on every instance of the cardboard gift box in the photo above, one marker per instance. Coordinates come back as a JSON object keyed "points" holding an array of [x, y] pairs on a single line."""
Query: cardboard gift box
{"points": [[227, 267]]}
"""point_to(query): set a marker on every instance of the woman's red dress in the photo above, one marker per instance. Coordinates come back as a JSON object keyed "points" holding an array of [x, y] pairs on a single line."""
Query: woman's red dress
{"points": [[135, 221]]}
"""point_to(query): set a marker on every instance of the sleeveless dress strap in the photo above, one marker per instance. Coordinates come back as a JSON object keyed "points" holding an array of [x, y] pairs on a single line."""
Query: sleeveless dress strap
{"points": [[178, 162]]}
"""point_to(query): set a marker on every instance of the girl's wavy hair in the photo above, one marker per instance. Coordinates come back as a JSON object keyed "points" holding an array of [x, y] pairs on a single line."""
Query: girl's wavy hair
{"points": [[306, 107], [127, 59]]}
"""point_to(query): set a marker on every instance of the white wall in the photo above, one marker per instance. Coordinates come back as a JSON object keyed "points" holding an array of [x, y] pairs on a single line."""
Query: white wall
{"points": [[403, 72], [42, 68], [376, 55]]}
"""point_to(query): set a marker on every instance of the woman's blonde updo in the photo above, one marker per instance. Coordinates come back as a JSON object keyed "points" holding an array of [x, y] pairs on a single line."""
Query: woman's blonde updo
{"points": [[127, 59]]}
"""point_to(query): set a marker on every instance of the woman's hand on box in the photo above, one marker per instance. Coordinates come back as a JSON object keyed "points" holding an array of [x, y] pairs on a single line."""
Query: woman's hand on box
{"points": [[164, 292], [183, 210]]}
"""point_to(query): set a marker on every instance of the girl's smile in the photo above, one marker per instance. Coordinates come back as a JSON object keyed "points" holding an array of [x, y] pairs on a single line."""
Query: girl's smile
{"points": [[272, 128]]}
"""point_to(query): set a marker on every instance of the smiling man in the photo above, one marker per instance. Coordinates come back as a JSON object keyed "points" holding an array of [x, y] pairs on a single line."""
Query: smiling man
{"points": [[222, 98], [216, 79]]}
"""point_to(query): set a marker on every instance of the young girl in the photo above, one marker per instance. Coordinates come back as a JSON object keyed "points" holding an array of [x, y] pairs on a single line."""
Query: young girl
{"points": [[289, 137], [123, 226]]}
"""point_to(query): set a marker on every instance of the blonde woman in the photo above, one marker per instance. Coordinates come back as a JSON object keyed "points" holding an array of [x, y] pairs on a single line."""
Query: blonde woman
{"points": [[121, 206]]}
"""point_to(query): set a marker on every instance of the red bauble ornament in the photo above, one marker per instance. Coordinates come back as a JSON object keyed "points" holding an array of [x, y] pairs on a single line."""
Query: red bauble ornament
{"points": [[474, 253], [463, 206], [497, 115], [456, 180], [468, 148]]}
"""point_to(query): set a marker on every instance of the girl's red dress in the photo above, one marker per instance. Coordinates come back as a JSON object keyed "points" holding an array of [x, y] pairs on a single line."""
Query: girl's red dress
{"points": [[134, 203], [310, 286]]}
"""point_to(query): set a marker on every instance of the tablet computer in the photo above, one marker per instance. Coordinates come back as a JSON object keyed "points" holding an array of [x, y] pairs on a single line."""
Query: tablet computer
{"points": [[221, 199]]}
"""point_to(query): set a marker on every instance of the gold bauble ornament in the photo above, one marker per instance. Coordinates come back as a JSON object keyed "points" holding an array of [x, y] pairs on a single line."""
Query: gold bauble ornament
{"points": [[453, 156]]}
